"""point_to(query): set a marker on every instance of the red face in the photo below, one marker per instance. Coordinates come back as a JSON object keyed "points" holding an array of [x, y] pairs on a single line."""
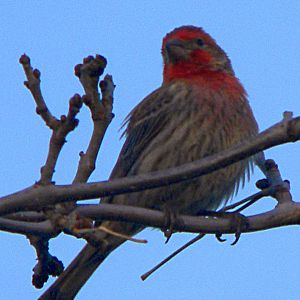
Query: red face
{"points": [[189, 51]]}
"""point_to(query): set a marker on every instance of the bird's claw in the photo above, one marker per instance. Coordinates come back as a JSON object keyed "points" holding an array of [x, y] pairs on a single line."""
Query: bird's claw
{"points": [[240, 223], [219, 237], [237, 237], [169, 224], [171, 219], [168, 233]]}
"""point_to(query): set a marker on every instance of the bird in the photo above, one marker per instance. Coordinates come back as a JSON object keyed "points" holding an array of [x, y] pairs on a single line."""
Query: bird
{"points": [[200, 109]]}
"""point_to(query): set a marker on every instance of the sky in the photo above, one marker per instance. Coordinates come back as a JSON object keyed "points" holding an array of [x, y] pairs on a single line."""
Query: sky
{"points": [[262, 38]]}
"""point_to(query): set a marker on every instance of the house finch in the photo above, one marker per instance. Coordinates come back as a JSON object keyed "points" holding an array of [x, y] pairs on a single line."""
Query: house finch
{"points": [[200, 109]]}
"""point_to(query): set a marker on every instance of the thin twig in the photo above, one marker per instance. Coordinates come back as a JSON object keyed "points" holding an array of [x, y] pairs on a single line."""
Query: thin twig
{"points": [[111, 232], [58, 138], [101, 110], [163, 262], [33, 84], [270, 191], [60, 128]]}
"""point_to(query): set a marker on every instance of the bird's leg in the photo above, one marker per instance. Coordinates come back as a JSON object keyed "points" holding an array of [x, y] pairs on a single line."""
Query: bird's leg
{"points": [[171, 220]]}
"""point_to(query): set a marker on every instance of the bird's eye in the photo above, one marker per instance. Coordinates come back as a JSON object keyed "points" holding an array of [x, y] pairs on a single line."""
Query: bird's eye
{"points": [[199, 42]]}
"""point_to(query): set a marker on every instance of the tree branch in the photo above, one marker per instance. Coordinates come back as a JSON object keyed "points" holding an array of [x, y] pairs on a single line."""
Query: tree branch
{"points": [[44, 229], [101, 110], [60, 128], [287, 213], [27, 216], [37, 197], [33, 84], [283, 214]]}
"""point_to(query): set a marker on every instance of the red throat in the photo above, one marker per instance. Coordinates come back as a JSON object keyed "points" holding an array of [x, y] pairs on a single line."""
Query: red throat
{"points": [[216, 80]]}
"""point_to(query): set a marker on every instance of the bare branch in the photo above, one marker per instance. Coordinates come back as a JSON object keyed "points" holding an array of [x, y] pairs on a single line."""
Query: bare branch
{"points": [[27, 216], [60, 128], [101, 110], [38, 197], [284, 214], [58, 138], [274, 178], [47, 264], [44, 228], [33, 84]]}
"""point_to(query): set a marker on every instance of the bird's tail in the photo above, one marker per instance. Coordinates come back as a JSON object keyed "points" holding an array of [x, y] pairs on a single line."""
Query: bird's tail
{"points": [[81, 268]]}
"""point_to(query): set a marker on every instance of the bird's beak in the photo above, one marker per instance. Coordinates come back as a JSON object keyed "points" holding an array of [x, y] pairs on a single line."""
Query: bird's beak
{"points": [[176, 50]]}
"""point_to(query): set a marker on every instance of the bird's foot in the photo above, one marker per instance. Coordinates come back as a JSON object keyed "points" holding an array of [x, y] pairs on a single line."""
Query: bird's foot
{"points": [[238, 221], [171, 220]]}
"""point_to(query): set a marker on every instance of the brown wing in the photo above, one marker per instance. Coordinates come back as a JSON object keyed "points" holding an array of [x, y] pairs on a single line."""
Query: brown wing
{"points": [[144, 122]]}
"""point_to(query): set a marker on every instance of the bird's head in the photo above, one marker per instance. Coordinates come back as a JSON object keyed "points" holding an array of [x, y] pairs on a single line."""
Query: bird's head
{"points": [[189, 51]]}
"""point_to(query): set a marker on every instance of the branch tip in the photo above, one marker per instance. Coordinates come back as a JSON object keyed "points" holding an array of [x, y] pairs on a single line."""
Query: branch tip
{"points": [[36, 73], [24, 59], [77, 69]]}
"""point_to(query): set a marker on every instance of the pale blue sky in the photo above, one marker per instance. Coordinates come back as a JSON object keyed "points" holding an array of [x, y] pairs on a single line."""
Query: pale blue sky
{"points": [[262, 38]]}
